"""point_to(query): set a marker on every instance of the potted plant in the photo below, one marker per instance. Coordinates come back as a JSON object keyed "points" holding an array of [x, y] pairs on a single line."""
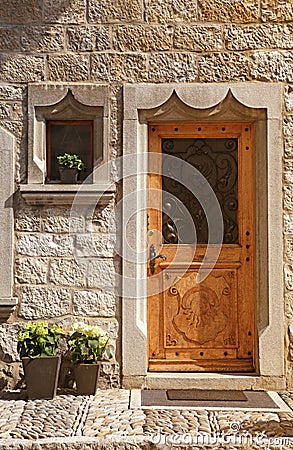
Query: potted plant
{"points": [[88, 346], [70, 166], [37, 345]]}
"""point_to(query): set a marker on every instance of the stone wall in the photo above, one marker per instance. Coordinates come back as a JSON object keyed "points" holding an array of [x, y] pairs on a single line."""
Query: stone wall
{"points": [[51, 284], [114, 42]]}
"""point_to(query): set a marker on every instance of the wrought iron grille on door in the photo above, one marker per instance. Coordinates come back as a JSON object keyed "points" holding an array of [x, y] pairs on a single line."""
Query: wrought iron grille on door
{"points": [[217, 160]]}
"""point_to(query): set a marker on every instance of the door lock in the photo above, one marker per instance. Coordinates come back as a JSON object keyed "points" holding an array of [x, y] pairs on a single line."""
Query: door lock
{"points": [[153, 257]]}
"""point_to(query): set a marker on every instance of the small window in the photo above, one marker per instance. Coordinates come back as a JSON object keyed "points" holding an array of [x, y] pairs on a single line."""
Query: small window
{"points": [[67, 118], [75, 137]]}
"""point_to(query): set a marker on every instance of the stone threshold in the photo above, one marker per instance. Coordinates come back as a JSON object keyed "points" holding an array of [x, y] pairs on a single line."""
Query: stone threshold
{"points": [[221, 381]]}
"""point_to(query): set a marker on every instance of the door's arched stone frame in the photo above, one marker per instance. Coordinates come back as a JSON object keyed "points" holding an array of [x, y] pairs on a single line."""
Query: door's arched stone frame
{"points": [[260, 103]]}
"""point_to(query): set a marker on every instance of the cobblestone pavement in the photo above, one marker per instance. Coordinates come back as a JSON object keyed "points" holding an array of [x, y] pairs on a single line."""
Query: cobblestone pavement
{"points": [[106, 421]]}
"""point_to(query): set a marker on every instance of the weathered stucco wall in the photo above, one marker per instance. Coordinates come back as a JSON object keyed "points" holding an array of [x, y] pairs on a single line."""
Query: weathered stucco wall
{"points": [[115, 42]]}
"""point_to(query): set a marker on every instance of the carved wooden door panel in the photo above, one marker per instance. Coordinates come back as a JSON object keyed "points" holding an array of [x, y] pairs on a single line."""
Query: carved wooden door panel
{"points": [[207, 325]]}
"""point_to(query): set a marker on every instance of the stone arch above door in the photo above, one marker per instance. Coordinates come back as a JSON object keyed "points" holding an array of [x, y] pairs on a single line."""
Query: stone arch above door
{"points": [[175, 109]]}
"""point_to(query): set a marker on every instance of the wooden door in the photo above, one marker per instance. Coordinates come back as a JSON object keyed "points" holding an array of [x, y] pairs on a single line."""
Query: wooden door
{"points": [[201, 326]]}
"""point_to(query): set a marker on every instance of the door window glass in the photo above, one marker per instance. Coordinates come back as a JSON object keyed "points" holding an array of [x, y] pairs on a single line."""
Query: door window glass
{"points": [[217, 160]]}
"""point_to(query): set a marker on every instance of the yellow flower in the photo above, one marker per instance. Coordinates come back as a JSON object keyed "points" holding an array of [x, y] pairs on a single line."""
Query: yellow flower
{"points": [[103, 340]]}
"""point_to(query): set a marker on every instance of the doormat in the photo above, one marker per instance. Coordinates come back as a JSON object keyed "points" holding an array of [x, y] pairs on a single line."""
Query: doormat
{"points": [[254, 400], [209, 395]]}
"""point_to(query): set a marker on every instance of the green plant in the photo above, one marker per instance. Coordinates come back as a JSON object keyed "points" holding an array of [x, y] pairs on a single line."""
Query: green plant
{"points": [[88, 343], [70, 161], [39, 339]]}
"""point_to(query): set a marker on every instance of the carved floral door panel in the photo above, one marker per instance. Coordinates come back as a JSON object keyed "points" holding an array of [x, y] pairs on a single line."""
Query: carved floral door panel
{"points": [[207, 325]]}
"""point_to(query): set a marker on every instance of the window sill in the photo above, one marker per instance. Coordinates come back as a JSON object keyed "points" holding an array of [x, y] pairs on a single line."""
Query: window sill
{"points": [[65, 194], [7, 306]]}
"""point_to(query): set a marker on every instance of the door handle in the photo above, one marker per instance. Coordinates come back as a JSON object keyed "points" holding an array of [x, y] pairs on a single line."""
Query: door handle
{"points": [[153, 257]]}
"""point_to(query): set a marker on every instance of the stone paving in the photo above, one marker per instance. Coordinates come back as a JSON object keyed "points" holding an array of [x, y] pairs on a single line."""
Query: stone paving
{"points": [[107, 421]]}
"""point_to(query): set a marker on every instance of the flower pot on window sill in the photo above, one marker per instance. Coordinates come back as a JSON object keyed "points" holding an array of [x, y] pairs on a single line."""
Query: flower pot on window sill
{"points": [[41, 376], [86, 377], [68, 176]]}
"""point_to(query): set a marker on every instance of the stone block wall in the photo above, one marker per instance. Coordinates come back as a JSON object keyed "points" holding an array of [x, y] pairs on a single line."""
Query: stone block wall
{"points": [[52, 284], [288, 224], [116, 42], [49, 280]]}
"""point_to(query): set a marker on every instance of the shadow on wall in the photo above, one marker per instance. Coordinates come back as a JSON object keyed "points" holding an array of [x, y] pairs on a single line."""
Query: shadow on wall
{"points": [[33, 11], [64, 11]]}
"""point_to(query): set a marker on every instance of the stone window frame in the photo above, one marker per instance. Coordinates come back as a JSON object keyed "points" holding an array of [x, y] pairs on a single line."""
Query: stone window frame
{"points": [[153, 102], [47, 101]]}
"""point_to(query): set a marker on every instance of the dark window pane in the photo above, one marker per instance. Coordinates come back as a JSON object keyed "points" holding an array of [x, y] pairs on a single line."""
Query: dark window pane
{"points": [[217, 161], [69, 137]]}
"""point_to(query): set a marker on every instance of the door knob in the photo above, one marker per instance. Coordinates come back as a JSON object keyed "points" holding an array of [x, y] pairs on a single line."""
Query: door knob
{"points": [[153, 257]]}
